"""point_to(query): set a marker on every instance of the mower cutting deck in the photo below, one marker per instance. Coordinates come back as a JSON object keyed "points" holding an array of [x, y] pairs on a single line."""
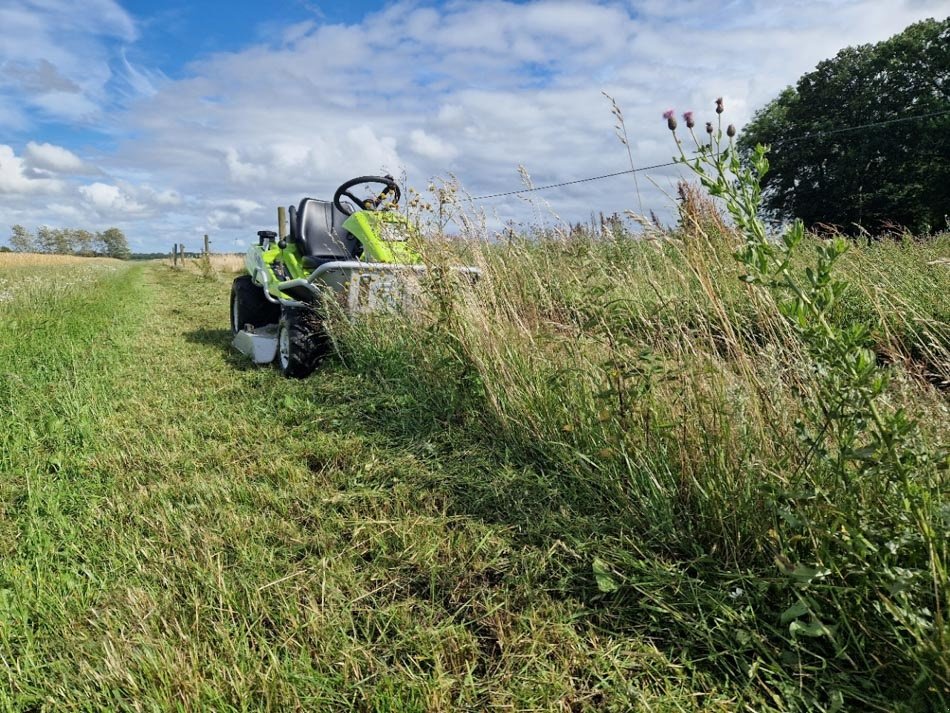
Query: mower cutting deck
{"points": [[355, 253]]}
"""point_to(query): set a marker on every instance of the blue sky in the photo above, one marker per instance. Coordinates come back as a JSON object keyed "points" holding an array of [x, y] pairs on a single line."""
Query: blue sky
{"points": [[204, 28], [172, 119]]}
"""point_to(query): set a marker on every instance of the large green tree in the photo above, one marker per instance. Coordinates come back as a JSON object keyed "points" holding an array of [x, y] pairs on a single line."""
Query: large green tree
{"points": [[893, 171]]}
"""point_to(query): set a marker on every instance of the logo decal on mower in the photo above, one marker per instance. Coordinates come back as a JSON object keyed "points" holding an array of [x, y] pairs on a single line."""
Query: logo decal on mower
{"points": [[376, 293]]}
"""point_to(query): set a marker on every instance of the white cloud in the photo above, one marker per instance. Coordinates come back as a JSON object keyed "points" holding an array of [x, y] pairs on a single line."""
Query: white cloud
{"points": [[238, 170], [53, 158], [231, 214], [55, 55], [242, 206], [432, 147], [111, 201], [66, 212], [166, 198], [15, 177], [478, 88]]}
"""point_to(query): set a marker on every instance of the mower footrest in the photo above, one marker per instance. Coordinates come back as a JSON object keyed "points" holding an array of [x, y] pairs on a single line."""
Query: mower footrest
{"points": [[259, 344]]}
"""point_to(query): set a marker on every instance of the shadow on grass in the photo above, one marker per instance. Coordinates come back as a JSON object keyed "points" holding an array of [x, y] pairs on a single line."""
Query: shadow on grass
{"points": [[559, 521], [221, 339], [479, 475], [212, 337]]}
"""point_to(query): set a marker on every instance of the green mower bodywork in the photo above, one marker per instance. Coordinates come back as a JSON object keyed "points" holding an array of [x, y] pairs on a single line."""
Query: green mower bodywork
{"points": [[357, 254]]}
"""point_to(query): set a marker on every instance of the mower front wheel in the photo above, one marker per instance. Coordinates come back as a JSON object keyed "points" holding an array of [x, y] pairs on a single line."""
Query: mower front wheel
{"points": [[249, 306], [301, 341]]}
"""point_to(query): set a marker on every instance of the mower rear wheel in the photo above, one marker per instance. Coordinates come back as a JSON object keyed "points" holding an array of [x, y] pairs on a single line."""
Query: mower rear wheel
{"points": [[249, 306], [301, 341]]}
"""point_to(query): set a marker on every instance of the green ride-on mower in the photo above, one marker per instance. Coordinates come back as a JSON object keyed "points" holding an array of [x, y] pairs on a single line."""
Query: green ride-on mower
{"points": [[354, 252]]}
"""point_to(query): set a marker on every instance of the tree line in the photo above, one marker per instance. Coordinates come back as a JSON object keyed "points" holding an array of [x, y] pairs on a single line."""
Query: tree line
{"points": [[70, 241], [863, 141]]}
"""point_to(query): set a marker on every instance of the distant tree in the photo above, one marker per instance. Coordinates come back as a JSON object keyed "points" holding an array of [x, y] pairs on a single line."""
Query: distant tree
{"points": [[115, 244], [22, 240], [45, 239], [83, 242], [888, 172], [5, 249], [63, 241]]}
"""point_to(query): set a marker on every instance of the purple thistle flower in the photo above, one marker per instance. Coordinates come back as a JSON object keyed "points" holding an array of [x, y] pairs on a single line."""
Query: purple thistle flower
{"points": [[670, 117], [688, 118], [709, 127], [731, 130], [719, 106]]}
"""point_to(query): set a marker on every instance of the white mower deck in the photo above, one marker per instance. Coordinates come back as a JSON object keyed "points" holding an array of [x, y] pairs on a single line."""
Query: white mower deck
{"points": [[259, 344]]}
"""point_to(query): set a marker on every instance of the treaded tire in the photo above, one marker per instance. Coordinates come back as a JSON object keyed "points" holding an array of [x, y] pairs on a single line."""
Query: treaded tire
{"points": [[249, 306], [301, 341]]}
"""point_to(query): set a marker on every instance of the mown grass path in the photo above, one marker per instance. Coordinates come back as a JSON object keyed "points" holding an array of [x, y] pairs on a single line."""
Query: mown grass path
{"points": [[180, 530]]}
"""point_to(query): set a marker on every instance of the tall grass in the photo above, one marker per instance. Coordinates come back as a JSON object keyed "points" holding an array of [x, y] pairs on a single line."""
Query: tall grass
{"points": [[11, 259], [662, 402], [212, 266]]}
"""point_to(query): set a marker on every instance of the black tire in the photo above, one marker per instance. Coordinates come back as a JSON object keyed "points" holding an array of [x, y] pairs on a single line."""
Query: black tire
{"points": [[249, 306], [301, 341]]}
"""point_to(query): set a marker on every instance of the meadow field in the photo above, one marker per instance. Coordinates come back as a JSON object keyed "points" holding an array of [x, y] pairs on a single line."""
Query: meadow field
{"points": [[609, 478]]}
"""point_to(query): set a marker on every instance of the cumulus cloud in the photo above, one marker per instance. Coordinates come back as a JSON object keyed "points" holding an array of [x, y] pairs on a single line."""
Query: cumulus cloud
{"points": [[476, 88], [164, 198], [110, 201], [53, 158], [231, 213], [66, 212], [480, 88], [432, 147], [15, 177]]}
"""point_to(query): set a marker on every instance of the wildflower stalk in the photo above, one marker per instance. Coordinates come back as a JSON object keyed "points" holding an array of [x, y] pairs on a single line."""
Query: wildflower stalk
{"points": [[851, 435], [621, 131]]}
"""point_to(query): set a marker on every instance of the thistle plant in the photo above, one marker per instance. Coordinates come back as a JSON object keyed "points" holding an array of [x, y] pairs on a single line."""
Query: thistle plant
{"points": [[852, 381], [878, 542]]}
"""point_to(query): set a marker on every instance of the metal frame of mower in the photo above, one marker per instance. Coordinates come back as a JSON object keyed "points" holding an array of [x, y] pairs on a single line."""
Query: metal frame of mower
{"points": [[357, 255]]}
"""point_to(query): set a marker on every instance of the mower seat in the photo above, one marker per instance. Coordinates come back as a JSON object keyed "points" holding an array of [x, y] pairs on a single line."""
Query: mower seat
{"points": [[320, 234]]}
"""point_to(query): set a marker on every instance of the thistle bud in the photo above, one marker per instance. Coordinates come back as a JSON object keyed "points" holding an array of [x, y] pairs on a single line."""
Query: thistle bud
{"points": [[709, 128], [731, 130], [670, 117], [688, 118], [719, 107]]}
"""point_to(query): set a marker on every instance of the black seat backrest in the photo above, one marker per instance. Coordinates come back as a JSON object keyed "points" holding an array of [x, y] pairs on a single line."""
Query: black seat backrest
{"points": [[320, 233], [292, 212]]}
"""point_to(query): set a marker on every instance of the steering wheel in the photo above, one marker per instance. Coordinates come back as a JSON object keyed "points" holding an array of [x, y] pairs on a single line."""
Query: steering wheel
{"points": [[387, 198]]}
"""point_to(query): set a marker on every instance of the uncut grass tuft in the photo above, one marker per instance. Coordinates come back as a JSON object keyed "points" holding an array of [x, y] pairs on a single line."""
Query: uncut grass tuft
{"points": [[654, 402]]}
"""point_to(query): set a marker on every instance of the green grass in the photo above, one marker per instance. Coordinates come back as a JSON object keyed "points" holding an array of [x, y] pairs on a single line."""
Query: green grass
{"points": [[467, 510], [657, 405], [183, 531]]}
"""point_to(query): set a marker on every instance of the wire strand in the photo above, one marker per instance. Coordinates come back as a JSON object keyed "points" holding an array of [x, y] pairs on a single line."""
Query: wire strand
{"points": [[579, 180], [673, 163], [885, 122]]}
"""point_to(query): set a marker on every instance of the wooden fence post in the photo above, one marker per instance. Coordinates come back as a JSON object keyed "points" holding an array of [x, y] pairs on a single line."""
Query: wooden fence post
{"points": [[175, 255], [206, 245]]}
